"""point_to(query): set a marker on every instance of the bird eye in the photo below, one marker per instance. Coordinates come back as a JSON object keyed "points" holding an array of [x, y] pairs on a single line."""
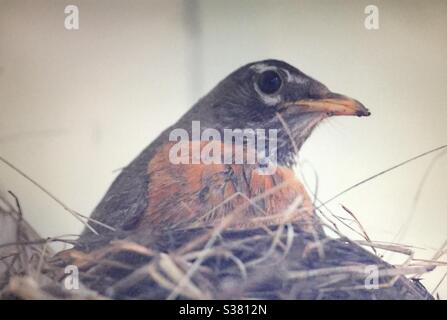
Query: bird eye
{"points": [[269, 82]]}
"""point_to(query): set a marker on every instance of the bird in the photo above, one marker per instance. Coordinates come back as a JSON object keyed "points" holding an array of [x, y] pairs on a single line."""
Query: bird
{"points": [[156, 193]]}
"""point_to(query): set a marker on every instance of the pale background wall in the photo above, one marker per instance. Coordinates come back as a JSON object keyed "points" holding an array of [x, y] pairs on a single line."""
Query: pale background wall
{"points": [[76, 105]]}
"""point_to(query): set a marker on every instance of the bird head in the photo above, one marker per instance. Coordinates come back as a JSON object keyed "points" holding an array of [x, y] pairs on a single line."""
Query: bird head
{"points": [[272, 94]]}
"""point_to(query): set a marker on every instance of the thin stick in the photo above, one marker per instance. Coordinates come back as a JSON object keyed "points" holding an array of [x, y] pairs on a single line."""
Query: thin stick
{"points": [[365, 234], [75, 214], [439, 284], [383, 172], [404, 227], [19, 232]]}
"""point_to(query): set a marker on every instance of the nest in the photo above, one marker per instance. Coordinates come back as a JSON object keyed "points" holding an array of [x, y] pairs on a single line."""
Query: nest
{"points": [[275, 262]]}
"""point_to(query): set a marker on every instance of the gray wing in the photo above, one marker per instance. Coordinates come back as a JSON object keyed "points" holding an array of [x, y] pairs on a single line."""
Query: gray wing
{"points": [[126, 199]]}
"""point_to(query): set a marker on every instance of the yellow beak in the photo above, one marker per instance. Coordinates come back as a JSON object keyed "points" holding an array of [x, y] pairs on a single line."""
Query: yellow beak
{"points": [[333, 104]]}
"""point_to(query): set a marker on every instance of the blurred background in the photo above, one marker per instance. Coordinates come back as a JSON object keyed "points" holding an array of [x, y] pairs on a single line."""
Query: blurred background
{"points": [[77, 105]]}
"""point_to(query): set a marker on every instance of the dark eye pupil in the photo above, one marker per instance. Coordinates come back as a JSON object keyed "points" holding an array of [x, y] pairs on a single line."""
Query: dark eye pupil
{"points": [[269, 82]]}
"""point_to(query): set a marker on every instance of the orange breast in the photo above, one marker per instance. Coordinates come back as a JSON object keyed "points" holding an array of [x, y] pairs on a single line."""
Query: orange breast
{"points": [[187, 195]]}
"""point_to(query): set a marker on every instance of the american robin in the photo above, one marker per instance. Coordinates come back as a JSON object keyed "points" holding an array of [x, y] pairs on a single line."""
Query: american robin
{"points": [[157, 190]]}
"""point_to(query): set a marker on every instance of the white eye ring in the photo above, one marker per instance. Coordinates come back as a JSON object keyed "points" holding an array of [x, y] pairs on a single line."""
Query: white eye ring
{"points": [[268, 99]]}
